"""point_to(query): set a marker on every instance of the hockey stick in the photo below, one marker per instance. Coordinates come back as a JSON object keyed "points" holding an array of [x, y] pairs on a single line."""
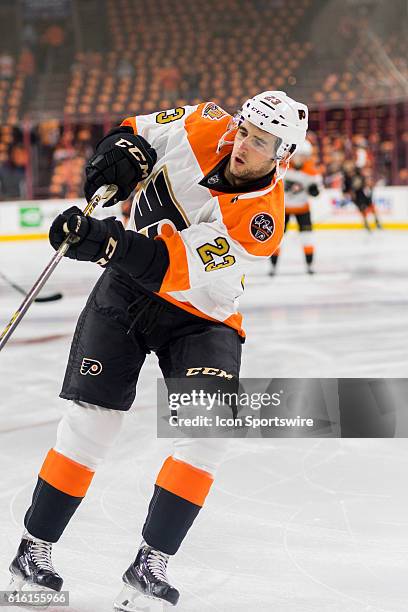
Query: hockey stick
{"points": [[104, 194], [48, 298]]}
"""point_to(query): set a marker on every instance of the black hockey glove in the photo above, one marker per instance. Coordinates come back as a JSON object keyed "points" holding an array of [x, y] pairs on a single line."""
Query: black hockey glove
{"points": [[100, 241], [121, 158], [313, 190]]}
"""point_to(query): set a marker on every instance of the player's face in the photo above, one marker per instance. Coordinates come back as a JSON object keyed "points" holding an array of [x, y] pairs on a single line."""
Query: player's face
{"points": [[252, 153]]}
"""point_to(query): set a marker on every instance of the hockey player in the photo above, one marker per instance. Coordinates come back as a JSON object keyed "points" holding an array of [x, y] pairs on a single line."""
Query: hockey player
{"points": [[356, 186], [209, 202], [302, 180]]}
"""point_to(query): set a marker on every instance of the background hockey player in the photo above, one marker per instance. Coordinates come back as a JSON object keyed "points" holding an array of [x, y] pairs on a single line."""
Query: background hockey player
{"points": [[357, 187], [209, 203], [302, 181]]}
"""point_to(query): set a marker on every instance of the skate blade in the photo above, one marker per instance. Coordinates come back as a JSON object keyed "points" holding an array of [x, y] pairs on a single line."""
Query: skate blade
{"points": [[132, 600], [19, 585], [16, 583]]}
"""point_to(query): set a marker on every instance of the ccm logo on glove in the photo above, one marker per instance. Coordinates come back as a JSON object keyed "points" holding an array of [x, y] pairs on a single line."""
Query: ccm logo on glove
{"points": [[121, 158], [100, 241], [109, 252], [137, 154]]}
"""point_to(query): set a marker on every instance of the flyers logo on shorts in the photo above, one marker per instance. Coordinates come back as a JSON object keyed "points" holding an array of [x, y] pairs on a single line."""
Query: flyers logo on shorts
{"points": [[90, 366], [213, 111], [262, 227]]}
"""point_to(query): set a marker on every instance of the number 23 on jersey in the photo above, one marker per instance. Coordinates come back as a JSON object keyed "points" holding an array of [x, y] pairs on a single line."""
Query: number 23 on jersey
{"points": [[208, 250]]}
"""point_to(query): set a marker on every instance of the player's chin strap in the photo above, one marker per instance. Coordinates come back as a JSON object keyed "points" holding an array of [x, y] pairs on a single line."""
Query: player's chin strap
{"points": [[223, 142], [282, 166], [283, 156], [232, 127]]}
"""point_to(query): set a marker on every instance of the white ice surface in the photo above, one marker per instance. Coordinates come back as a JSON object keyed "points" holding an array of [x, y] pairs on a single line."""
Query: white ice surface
{"points": [[291, 525]]}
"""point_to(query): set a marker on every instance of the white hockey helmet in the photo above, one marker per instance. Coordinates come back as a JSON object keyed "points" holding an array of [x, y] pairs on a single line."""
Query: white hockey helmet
{"points": [[278, 114]]}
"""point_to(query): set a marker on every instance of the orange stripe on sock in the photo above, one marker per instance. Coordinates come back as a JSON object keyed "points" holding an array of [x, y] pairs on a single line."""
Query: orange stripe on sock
{"points": [[308, 250], [65, 474], [185, 480]]}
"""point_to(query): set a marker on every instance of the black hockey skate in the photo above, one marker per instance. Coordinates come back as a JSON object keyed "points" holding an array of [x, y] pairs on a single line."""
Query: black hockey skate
{"points": [[32, 567], [145, 583]]}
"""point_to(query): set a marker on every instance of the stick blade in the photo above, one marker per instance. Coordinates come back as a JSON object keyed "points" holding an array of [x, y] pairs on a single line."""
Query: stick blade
{"points": [[49, 298]]}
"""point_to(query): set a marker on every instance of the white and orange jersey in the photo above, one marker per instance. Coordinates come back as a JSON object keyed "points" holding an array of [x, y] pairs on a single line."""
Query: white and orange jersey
{"points": [[297, 182], [212, 236]]}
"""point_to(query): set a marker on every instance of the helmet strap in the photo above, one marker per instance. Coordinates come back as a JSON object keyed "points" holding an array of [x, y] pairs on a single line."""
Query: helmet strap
{"points": [[281, 171], [223, 142]]}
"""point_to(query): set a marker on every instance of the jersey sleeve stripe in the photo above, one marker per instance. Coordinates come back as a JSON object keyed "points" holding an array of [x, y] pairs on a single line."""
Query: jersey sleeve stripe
{"points": [[130, 121], [177, 275]]}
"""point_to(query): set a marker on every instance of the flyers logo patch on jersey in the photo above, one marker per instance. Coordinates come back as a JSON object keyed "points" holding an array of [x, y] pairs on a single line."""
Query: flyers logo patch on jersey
{"points": [[213, 111], [90, 366], [262, 227]]}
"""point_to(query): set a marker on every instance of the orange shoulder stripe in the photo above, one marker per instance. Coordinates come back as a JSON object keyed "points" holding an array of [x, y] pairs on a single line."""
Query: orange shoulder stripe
{"points": [[131, 121]]}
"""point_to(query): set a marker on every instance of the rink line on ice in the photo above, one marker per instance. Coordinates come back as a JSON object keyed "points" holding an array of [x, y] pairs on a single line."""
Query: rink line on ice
{"points": [[20, 237], [286, 479], [354, 226], [342, 504], [279, 523], [38, 339], [334, 493], [30, 425], [354, 540], [18, 523], [251, 307], [286, 527], [333, 325]]}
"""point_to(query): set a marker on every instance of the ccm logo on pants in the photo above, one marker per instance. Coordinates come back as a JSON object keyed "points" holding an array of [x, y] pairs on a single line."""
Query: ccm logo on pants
{"points": [[90, 366]]}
